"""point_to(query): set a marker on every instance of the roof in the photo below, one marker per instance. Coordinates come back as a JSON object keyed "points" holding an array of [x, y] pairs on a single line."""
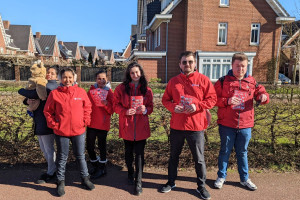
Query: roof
{"points": [[108, 53], [46, 43], [72, 46], [91, 49], [2, 29], [20, 35], [66, 53], [101, 54], [84, 53]]}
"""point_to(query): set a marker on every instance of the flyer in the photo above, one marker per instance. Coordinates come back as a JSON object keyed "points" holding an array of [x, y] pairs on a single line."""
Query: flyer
{"points": [[98, 95]]}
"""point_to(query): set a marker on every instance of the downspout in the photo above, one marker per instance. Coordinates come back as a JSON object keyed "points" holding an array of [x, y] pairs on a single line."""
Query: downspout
{"points": [[167, 36], [277, 57]]}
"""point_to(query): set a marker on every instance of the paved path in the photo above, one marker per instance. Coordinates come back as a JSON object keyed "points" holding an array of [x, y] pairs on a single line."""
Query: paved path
{"points": [[18, 183]]}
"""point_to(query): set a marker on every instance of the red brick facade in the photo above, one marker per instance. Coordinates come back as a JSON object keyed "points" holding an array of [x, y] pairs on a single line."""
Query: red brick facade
{"points": [[194, 27]]}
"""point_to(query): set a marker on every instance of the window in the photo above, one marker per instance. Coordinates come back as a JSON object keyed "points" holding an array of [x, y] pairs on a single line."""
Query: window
{"points": [[214, 68], [224, 2], [157, 37], [1, 50], [47, 48], [222, 34], [255, 30]]}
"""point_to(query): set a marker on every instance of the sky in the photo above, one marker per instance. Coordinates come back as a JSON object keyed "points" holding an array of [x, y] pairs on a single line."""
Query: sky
{"points": [[102, 23]]}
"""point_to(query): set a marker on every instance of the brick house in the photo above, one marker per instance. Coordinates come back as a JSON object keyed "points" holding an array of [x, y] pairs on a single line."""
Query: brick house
{"points": [[93, 51], [108, 56], [213, 29], [2, 38], [20, 39], [47, 48], [69, 51]]}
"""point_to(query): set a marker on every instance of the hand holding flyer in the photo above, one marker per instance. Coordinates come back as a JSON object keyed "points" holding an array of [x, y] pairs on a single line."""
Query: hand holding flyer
{"points": [[185, 101], [241, 95], [136, 101], [98, 95]]}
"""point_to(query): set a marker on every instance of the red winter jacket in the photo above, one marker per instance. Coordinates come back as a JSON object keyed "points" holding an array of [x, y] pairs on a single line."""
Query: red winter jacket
{"points": [[232, 117], [100, 117], [68, 111], [134, 127], [197, 87]]}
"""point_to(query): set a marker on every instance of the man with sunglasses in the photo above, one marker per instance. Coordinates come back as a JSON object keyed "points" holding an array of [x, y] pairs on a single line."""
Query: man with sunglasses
{"points": [[187, 96]]}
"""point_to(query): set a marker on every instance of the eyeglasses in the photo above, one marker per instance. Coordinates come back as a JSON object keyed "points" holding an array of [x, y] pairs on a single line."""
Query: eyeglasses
{"points": [[185, 62]]}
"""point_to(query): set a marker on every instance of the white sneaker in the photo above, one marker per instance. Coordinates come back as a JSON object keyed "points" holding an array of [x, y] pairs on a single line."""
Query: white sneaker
{"points": [[249, 184], [219, 182]]}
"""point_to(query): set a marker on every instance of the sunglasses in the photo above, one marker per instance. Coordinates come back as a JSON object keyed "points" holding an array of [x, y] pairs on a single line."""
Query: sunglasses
{"points": [[186, 62]]}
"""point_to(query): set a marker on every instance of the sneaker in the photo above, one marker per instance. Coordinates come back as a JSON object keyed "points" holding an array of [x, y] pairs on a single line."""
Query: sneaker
{"points": [[249, 184], [219, 183], [45, 178], [204, 194], [167, 187]]}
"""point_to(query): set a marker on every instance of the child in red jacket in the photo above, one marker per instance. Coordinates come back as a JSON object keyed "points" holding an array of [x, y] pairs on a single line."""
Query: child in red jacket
{"points": [[101, 96]]}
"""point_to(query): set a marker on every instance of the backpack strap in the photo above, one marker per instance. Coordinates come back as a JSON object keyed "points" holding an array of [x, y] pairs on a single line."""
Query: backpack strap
{"points": [[221, 79]]}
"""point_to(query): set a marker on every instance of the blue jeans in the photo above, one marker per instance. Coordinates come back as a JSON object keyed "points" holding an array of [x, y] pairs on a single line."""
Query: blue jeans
{"points": [[47, 146], [239, 139], [78, 145]]}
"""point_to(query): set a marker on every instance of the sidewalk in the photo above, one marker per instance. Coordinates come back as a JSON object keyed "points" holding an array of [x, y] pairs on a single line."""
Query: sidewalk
{"points": [[19, 184]]}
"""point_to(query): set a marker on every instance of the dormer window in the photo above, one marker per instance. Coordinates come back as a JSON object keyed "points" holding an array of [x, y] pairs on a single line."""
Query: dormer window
{"points": [[47, 48], [224, 3]]}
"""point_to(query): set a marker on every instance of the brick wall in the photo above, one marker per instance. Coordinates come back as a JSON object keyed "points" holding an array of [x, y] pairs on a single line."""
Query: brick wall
{"points": [[150, 67]]}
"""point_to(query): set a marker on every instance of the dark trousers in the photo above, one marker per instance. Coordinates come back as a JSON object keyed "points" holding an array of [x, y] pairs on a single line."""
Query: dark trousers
{"points": [[91, 136], [195, 140], [78, 145], [138, 148]]}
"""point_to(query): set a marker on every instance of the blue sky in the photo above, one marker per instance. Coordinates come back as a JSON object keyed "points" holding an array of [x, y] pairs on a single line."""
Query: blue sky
{"points": [[101, 23]]}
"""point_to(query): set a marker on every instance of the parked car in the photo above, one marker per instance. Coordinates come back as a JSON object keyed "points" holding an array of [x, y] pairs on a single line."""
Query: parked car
{"points": [[284, 79]]}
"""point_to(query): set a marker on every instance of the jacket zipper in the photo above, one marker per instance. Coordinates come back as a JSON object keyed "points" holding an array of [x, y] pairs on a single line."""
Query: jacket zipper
{"points": [[134, 117], [240, 87]]}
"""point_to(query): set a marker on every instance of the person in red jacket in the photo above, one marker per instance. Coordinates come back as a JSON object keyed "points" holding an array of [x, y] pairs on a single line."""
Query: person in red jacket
{"points": [[101, 96], [68, 112], [133, 101], [236, 92], [188, 96]]}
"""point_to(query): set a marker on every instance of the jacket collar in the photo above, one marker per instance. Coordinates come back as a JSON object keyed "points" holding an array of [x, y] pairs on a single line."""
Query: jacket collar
{"points": [[66, 89], [230, 73]]}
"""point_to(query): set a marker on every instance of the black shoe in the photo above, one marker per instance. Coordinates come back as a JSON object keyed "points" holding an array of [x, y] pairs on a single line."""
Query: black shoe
{"points": [[60, 188], [167, 187], [87, 183], [45, 178], [138, 190], [99, 172], [204, 194]]}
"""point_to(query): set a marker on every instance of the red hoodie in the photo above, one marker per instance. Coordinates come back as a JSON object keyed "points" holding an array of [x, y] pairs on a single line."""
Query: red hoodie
{"points": [[200, 90], [68, 111], [237, 118], [134, 127], [100, 117]]}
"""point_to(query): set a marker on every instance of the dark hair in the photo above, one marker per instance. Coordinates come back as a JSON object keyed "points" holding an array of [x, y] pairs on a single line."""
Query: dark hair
{"points": [[67, 69], [128, 79], [55, 67], [187, 54], [239, 56], [101, 71]]}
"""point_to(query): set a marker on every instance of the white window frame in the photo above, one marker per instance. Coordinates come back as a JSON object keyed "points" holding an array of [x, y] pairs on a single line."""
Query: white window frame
{"points": [[224, 30], [1, 50], [224, 3], [158, 36], [155, 38], [255, 27]]}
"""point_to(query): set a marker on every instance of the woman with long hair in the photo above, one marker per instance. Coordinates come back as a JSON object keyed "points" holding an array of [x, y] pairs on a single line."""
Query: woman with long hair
{"points": [[133, 101]]}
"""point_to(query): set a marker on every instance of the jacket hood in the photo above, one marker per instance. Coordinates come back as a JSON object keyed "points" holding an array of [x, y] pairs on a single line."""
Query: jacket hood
{"points": [[66, 89]]}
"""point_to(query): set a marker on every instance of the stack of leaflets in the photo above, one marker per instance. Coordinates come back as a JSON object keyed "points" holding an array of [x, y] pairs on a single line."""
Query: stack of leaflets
{"points": [[98, 95], [136, 101], [185, 101], [242, 95]]}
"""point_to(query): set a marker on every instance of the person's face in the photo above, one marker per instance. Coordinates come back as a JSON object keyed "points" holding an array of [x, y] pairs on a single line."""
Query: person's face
{"points": [[187, 64], [135, 74], [51, 74], [239, 68], [67, 78], [101, 80]]}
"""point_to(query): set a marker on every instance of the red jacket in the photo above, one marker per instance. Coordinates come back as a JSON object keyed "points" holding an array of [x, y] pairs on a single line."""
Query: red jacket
{"points": [[100, 117], [234, 118], [136, 127], [68, 111], [197, 87]]}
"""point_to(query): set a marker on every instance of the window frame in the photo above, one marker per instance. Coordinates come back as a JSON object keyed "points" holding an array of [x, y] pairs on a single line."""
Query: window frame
{"points": [[224, 4], [226, 33], [258, 34]]}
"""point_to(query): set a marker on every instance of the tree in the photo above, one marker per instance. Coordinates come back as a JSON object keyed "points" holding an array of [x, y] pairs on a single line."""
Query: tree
{"points": [[90, 58]]}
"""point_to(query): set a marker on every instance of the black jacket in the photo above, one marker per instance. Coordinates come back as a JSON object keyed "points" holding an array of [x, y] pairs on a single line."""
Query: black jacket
{"points": [[39, 119]]}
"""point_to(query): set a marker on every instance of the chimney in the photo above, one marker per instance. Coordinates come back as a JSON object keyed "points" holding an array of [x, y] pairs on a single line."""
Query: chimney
{"points": [[82, 47], [6, 24], [61, 43], [38, 34]]}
